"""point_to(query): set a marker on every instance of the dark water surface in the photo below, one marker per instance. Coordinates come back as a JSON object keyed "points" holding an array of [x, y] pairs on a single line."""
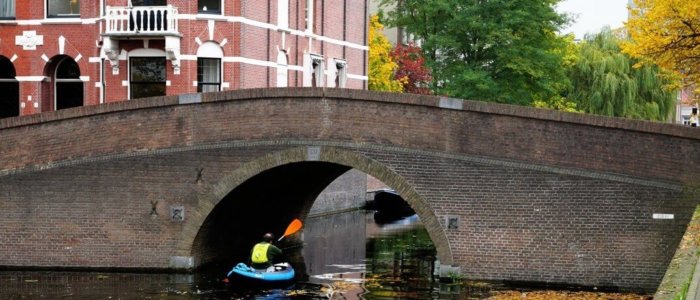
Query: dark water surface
{"points": [[343, 256]]}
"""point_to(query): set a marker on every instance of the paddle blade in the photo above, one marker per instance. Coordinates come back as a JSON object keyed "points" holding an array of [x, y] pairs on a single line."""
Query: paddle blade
{"points": [[292, 228]]}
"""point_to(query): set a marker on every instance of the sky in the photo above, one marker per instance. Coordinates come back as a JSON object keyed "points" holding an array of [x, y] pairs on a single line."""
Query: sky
{"points": [[592, 15]]}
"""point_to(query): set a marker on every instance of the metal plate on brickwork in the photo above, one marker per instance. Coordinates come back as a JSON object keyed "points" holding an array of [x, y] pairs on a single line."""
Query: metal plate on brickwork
{"points": [[452, 222], [177, 213], [662, 216]]}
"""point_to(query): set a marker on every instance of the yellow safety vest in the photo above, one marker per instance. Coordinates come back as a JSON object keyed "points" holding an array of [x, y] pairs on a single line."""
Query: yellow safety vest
{"points": [[260, 253]]}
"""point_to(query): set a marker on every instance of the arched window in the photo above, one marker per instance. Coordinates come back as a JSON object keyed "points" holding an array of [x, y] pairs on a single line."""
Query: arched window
{"points": [[68, 85], [282, 69], [209, 67], [9, 97]]}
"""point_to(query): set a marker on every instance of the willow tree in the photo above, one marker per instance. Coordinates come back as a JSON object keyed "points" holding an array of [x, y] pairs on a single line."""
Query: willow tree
{"points": [[609, 82]]}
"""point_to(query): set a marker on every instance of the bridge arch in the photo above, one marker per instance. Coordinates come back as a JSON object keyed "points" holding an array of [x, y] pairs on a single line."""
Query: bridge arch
{"points": [[202, 238]]}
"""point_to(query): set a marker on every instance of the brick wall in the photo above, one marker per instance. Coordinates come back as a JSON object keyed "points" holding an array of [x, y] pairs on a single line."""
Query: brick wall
{"points": [[250, 47], [345, 193], [506, 192]]}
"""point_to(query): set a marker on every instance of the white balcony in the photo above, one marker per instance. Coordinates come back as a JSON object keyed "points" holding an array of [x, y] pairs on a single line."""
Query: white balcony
{"points": [[141, 21], [123, 23]]}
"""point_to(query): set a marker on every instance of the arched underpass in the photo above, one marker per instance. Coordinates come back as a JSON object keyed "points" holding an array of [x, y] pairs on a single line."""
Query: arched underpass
{"points": [[266, 193], [266, 202]]}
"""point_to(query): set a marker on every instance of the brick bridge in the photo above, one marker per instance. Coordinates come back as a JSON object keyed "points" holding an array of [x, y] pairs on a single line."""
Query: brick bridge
{"points": [[505, 192]]}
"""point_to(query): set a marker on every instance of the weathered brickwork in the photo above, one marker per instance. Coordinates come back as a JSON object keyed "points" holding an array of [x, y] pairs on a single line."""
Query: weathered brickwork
{"points": [[506, 192]]}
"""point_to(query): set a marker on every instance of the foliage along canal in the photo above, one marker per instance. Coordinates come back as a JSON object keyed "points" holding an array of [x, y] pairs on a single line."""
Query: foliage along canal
{"points": [[343, 256]]}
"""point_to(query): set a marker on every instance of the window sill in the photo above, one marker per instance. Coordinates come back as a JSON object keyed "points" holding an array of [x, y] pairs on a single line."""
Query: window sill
{"points": [[62, 20], [208, 16]]}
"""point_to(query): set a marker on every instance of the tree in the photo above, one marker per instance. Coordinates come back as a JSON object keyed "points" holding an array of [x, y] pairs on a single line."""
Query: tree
{"points": [[667, 33], [607, 82], [495, 50], [381, 66], [412, 71]]}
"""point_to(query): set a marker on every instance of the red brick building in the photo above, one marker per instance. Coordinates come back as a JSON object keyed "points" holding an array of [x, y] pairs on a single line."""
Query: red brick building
{"points": [[57, 54]]}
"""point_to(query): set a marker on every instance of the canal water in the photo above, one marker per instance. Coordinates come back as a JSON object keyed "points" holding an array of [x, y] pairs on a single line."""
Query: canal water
{"points": [[341, 256]]}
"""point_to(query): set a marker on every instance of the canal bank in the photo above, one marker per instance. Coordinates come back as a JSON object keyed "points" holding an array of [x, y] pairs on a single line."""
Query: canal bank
{"points": [[682, 279]]}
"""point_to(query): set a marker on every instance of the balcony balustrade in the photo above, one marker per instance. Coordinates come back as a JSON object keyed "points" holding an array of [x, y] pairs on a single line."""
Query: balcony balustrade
{"points": [[141, 21]]}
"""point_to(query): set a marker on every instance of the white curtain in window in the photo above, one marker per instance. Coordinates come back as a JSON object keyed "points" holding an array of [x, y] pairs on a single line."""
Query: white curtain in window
{"points": [[211, 70], [282, 69], [210, 74], [7, 8]]}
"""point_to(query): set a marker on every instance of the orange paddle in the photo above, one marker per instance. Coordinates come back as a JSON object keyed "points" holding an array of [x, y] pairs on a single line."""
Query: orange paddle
{"points": [[292, 228]]}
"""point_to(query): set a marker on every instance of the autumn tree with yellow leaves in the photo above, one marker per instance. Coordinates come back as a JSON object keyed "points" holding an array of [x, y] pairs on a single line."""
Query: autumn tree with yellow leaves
{"points": [[667, 33], [381, 66]]}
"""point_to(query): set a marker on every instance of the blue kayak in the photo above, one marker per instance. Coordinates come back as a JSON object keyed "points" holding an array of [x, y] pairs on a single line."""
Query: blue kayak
{"points": [[278, 273]]}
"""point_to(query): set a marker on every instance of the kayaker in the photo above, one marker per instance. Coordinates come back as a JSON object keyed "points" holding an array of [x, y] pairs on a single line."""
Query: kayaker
{"points": [[264, 253]]}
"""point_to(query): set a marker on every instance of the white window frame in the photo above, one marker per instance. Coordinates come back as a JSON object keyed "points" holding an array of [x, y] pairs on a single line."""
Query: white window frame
{"points": [[144, 52], [212, 50], [47, 16], [283, 14], [282, 69], [57, 80], [317, 66], [309, 13], [341, 72], [221, 9]]}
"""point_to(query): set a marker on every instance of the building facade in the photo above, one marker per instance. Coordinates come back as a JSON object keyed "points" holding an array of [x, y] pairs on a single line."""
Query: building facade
{"points": [[57, 54]]}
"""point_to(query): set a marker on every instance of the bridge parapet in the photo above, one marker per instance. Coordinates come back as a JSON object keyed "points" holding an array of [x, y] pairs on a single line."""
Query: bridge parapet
{"points": [[569, 140]]}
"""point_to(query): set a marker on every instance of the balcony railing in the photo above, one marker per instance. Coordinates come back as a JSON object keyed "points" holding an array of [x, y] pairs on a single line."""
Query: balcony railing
{"points": [[142, 20]]}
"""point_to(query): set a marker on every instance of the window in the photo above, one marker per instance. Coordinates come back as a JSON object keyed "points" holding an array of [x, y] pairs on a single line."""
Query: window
{"points": [[317, 71], [9, 98], [147, 76], [209, 6], [283, 14], [208, 75], [309, 14], [63, 8], [7, 9], [148, 2], [69, 86], [341, 77], [282, 69]]}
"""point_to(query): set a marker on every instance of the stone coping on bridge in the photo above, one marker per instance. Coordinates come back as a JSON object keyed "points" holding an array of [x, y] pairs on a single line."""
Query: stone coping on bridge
{"points": [[361, 95]]}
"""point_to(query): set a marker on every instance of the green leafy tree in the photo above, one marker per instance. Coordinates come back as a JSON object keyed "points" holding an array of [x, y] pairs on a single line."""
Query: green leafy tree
{"points": [[381, 65], [609, 82], [494, 50]]}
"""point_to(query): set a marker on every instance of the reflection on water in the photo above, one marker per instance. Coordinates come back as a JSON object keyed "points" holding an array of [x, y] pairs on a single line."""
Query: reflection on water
{"points": [[343, 256]]}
